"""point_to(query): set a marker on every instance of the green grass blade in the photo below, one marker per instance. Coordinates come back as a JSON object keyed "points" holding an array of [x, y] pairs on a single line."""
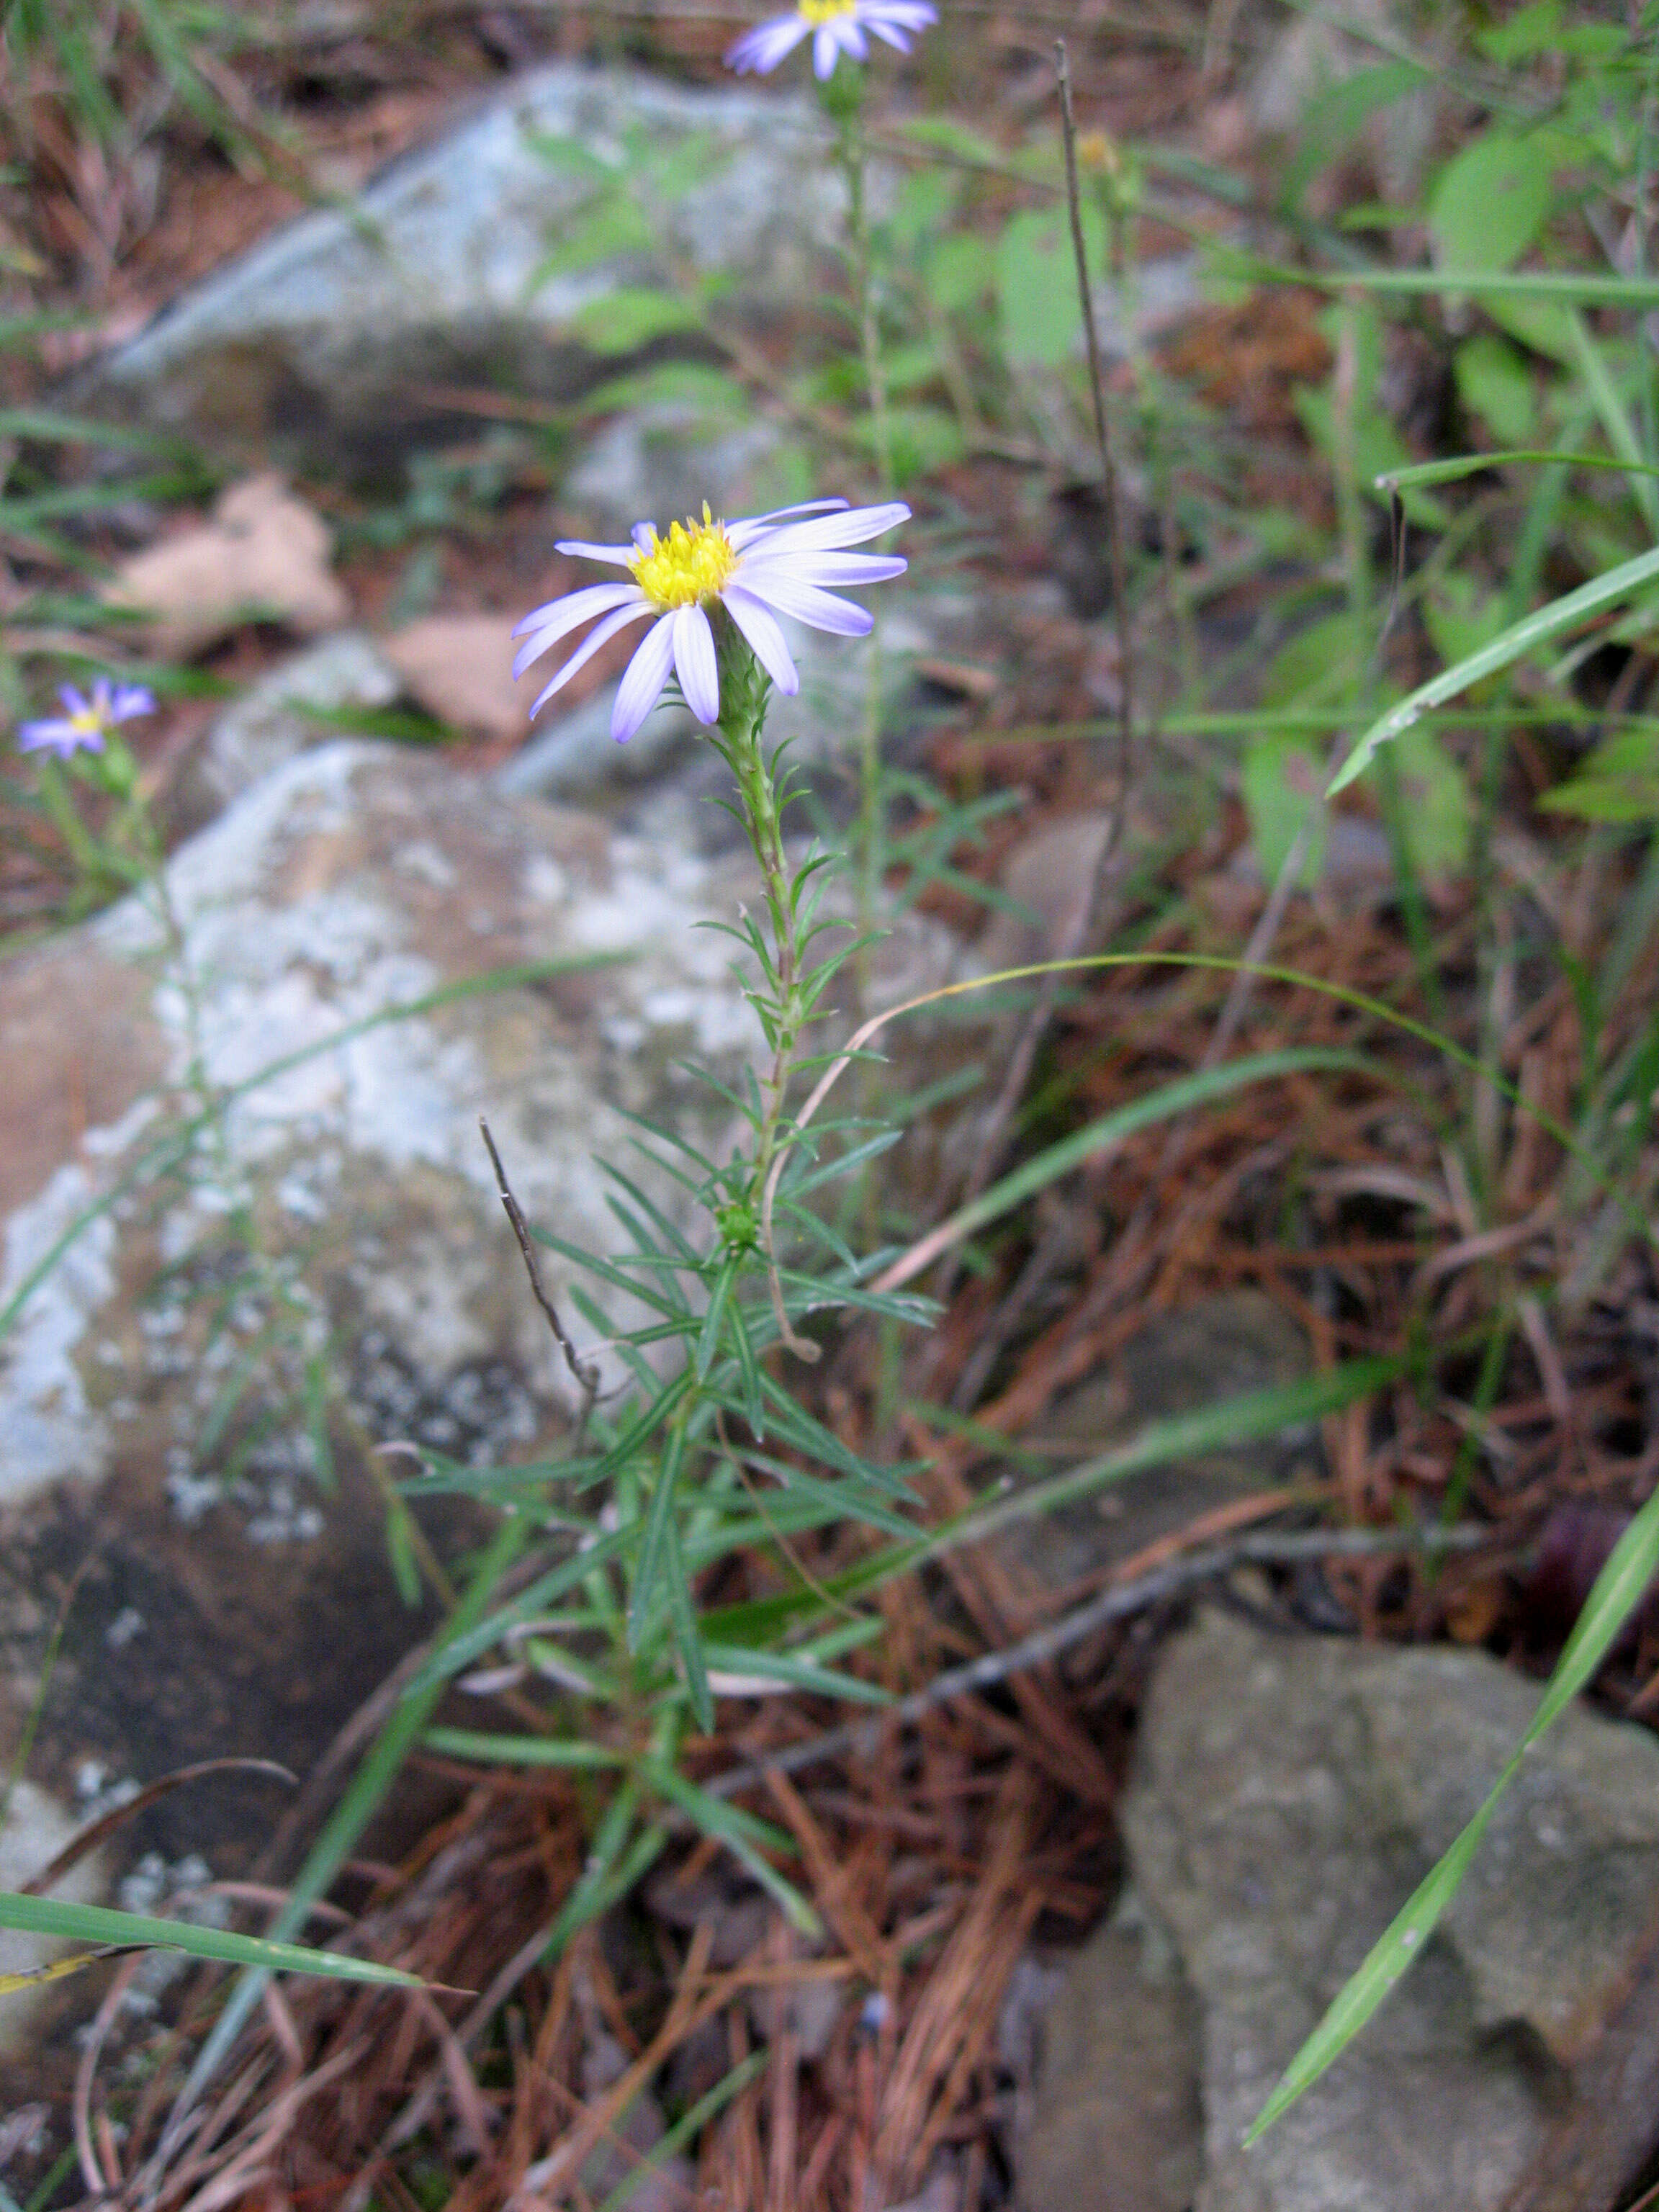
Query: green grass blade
{"points": [[1565, 613], [795, 1673], [1471, 465], [1180, 1097], [688, 2127], [101, 1923], [1617, 427], [1619, 1589]]}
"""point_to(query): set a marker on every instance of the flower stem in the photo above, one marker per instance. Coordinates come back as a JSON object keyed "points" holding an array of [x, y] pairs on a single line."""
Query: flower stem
{"points": [[778, 1000]]}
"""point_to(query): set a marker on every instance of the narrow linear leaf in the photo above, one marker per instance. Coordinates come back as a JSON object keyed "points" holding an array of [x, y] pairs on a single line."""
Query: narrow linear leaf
{"points": [[654, 1546], [102, 1923], [520, 1750], [744, 1837]]}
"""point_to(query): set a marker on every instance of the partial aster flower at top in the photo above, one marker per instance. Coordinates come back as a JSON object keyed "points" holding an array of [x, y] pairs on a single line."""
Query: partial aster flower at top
{"points": [[835, 27], [86, 723], [770, 565]]}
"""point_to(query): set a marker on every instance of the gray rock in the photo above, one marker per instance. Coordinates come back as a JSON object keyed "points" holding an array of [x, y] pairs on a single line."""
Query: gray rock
{"points": [[1116, 2120], [1219, 1348], [1288, 1796], [662, 462], [270, 723], [326, 332]]}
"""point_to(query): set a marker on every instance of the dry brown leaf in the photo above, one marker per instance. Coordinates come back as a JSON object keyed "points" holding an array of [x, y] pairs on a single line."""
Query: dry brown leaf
{"points": [[459, 667], [264, 553]]}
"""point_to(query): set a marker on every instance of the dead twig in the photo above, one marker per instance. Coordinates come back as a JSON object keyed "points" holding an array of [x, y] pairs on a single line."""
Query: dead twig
{"points": [[586, 1375], [858, 1739]]}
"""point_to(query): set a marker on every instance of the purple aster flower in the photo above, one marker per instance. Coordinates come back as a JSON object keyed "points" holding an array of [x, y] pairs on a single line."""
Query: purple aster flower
{"points": [[86, 721], [770, 565], [835, 27]]}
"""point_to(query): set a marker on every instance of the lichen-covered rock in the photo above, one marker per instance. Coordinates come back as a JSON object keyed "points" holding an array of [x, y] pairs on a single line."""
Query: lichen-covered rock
{"points": [[468, 259], [201, 1326], [1288, 1795]]}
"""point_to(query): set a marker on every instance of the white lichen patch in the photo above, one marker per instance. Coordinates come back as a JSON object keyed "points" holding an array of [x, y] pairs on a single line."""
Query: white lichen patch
{"points": [[49, 1428]]}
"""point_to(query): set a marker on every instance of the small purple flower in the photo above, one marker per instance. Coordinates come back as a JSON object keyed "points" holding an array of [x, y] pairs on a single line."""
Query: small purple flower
{"points": [[835, 27], [769, 565], [86, 721]]}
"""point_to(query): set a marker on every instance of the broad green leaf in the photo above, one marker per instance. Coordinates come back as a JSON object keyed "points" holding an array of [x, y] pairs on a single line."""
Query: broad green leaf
{"points": [[959, 271], [633, 316], [920, 440], [1041, 322], [1562, 614], [1280, 779], [1533, 29], [1437, 818], [1494, 383], [101, 1923], [1460, 617], [1619, 1589], [1618, 782], [1489, 203]]}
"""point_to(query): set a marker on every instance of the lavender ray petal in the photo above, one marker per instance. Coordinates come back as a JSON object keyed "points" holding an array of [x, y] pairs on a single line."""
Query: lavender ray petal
{"points": [[829, 568], [619, 557], [643, 679], [695, 662], [559, 617], [759, 625], [830, 531], [601, 634], [821, 610]]}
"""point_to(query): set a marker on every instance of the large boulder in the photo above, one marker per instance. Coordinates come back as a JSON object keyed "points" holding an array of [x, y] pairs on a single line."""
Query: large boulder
{"points": [[167, 1435]]}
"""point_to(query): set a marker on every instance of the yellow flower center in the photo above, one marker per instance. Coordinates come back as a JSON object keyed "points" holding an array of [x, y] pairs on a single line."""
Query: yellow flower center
{"points": [[88, 723], [691, 564], [824, 11]]}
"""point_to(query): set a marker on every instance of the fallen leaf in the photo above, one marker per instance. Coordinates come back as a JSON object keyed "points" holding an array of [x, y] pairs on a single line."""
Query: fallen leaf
{"points": [[263, 557], [459, 667]]}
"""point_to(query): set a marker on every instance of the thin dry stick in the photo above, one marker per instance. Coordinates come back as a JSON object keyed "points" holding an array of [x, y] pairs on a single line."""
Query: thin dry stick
{"points": [[860, 1738], [587, 1377], [1025, 1051]]}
